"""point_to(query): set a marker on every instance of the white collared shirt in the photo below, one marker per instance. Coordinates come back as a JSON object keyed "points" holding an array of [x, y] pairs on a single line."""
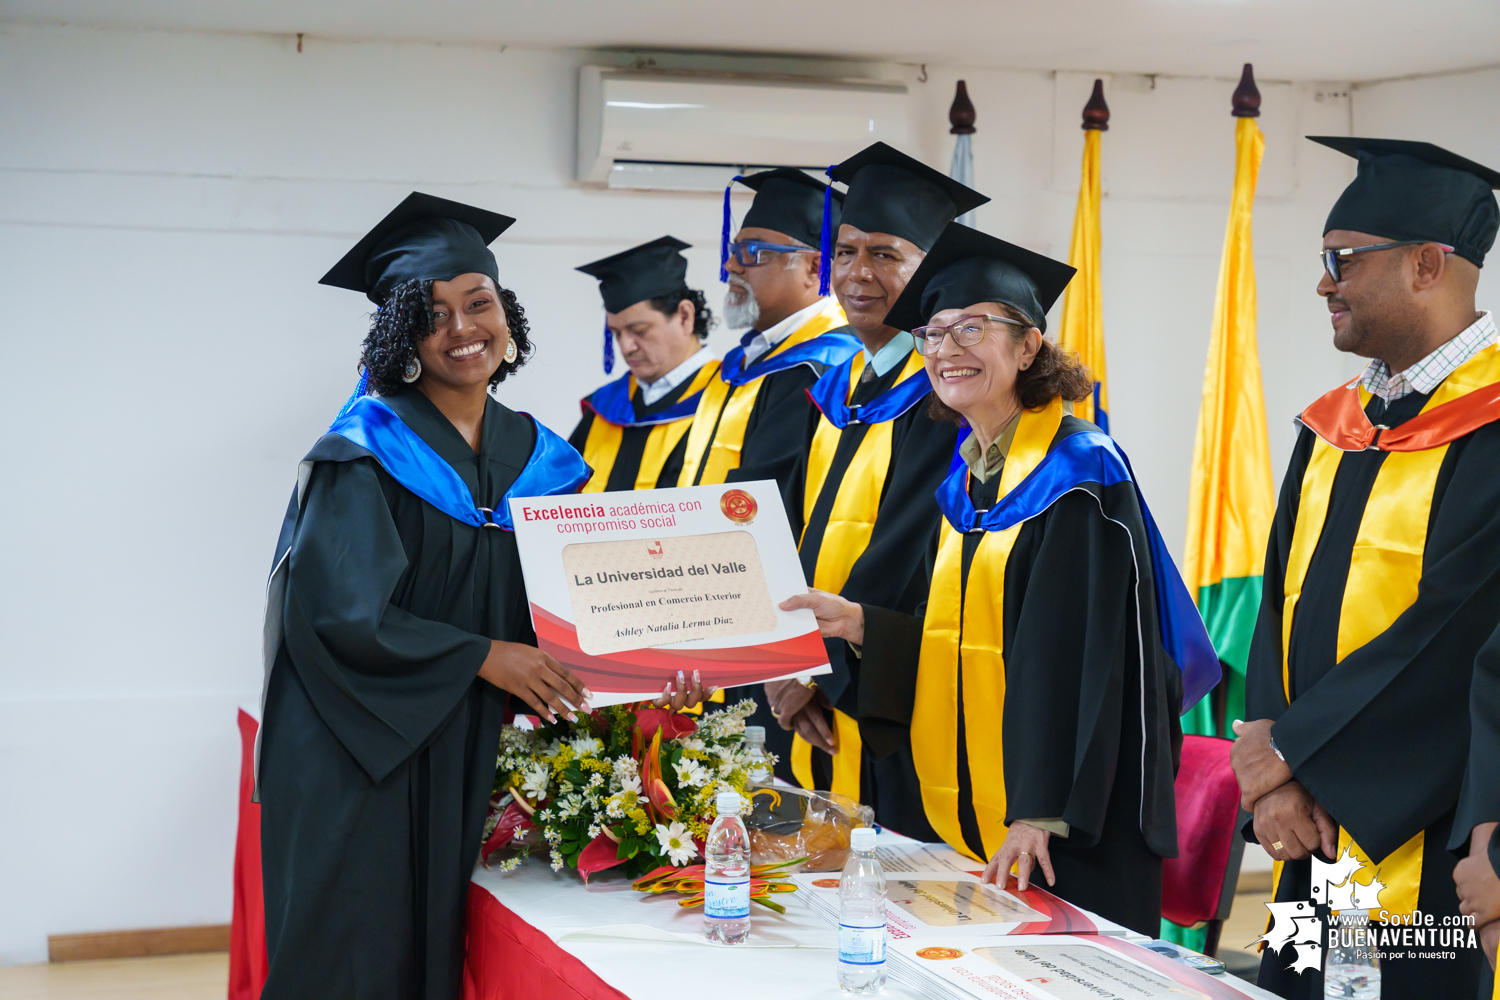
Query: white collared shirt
{"points": [[893, 353], [764, 340], [1427, 374], [651, 392]]}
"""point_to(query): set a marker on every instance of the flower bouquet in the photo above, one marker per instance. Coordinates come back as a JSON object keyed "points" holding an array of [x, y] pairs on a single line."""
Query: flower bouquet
{"points": [[626, 785]]}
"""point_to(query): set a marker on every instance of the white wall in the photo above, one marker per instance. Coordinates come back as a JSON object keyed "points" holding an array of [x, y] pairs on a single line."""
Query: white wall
{"points": [[168, 202]]}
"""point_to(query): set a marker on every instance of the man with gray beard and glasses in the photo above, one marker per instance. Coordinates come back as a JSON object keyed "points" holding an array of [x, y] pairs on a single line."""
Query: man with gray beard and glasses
{"points": [[751, 419]]}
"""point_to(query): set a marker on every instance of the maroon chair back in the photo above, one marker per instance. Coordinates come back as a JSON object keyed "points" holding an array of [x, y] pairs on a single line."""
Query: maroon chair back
{"points": [[1198, 885]]}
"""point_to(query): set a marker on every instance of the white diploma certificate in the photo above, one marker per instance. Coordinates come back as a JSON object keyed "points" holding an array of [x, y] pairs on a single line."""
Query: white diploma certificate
{"points": [[626, 589]]}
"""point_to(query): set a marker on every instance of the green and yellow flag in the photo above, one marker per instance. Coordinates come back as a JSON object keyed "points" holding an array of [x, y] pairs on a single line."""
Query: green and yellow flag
{"points": [[1231, 503], [1082, 326]]}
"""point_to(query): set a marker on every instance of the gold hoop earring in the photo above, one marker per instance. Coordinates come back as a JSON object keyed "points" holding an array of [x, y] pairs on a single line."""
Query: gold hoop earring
{"points": [[511, 352], [412, 371]]}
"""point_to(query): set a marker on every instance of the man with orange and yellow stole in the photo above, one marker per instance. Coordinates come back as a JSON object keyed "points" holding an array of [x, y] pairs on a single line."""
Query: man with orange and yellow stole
{"points": [[1382, 575]]}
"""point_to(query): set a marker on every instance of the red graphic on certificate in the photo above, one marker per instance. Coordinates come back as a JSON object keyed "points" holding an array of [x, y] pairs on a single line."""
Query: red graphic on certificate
{"points": [[738, 506]]}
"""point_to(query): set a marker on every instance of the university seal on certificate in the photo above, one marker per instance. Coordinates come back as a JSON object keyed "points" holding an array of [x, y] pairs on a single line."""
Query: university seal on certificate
{"points": [[738, 506], [626, 589]]}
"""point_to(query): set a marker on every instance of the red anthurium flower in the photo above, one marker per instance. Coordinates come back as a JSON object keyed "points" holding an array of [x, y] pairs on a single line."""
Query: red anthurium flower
{"points": [[514, 821], [601, 853]]}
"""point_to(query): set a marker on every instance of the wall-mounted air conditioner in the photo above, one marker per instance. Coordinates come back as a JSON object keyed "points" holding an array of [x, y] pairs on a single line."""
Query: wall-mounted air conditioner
{"points": [[680, 130]]}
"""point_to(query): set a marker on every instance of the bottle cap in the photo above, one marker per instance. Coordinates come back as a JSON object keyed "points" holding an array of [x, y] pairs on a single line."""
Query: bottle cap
{"points": [[755, 734], [729, 803], [862, 838]]}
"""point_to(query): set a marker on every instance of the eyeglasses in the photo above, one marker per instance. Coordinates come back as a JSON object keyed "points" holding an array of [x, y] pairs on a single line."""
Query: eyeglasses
{"points": [[753, 252], [1331, 257], [966, 330]]}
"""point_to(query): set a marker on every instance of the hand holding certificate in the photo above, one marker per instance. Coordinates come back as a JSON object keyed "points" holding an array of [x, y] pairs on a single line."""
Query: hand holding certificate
{"points": [[626, 589]]}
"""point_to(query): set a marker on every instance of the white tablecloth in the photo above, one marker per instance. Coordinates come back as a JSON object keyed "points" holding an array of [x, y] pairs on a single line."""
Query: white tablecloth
{"points": [[643, 945]]}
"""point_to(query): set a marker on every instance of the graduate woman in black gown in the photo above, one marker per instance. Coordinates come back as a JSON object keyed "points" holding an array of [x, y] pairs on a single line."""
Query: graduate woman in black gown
{"points": [[398, 626], [1041, 689]]}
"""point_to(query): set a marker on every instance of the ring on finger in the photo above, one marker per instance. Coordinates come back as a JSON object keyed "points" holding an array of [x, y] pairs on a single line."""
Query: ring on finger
{"points": [[1027, 854], [1277, 846]]}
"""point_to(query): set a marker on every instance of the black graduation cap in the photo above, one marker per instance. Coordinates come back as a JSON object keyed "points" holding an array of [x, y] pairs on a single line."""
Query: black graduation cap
{"points": [[426, 238], [1407, 190], [789, 201], [890, 192], [644, 272], [966, 266]]}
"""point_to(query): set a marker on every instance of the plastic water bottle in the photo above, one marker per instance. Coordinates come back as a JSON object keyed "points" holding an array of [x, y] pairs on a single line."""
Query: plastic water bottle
{"points": [[862, 916], [1353, 965], [726, 875], [755, 749]]}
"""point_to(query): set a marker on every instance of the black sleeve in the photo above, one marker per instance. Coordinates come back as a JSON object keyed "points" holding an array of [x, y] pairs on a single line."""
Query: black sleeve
{"points": [[888, 674], [774, 435], [1479, 802], [1065, 670], [1377, 740], [888, 667], [381, 678]]}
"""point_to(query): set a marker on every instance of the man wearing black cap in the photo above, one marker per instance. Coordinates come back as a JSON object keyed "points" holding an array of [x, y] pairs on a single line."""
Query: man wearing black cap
{"points": [[749, 420], [862, 500], [1382, 574], [634, 429]]}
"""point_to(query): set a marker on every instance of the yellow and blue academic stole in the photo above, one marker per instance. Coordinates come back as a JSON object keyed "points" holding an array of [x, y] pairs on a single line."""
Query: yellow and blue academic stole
{"points": [[553, 469], [718, 431], [1385, 570], [971, 625], [851, 521], [614, 411]]}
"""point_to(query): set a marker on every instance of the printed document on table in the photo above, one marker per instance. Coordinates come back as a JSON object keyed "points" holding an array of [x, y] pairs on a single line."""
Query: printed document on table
{"points": [[1054, 967], [627, 589]]}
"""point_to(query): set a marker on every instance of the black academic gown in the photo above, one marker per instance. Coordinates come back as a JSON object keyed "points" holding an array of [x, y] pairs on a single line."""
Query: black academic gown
{"points": [[891, 573], [378, 745], [1381, 738], [1072, 652], [774, 433], [1479, 802], [627, 463]]}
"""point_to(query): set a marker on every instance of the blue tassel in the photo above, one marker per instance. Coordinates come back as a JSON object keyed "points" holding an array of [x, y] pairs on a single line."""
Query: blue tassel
{"points": [[361, 388], [724, 235], [609, 350], [825, 244]]}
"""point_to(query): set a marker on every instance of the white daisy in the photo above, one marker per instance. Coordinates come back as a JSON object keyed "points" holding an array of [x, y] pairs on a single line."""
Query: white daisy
{"points": [[690, 743], [586, 746], [630, 783], [534, 781], [690, 773], [677, 843]]}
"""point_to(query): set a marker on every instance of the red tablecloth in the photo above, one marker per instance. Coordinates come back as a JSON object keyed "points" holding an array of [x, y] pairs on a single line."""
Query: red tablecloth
{"points": [[247, 932], [508, 959]]}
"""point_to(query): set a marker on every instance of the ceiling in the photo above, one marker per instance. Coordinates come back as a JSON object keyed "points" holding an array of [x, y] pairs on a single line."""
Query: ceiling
{"points": [[1337, 40]]}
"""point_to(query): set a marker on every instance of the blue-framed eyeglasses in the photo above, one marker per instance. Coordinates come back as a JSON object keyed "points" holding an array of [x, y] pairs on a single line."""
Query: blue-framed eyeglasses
{"points": [[1331, 257], [752, 252]]}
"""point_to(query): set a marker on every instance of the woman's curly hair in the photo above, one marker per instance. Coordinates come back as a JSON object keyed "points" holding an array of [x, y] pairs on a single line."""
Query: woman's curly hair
{"points": [[703, 317], [405, 320], [1053, 373]]}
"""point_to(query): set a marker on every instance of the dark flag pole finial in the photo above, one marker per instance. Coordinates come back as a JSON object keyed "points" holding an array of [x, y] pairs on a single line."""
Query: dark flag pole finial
{"points": [[1096, 112], [961, 113], [1246, 98]]}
